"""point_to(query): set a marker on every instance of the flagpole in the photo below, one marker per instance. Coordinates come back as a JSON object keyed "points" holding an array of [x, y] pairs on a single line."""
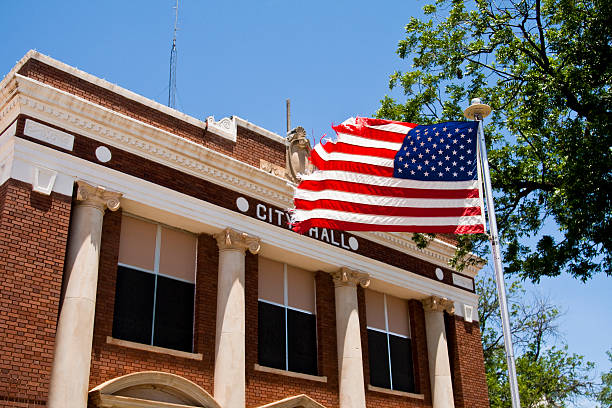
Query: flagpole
{"points": [[478, 111]]}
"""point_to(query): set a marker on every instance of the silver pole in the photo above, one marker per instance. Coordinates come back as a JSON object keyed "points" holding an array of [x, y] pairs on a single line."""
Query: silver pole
{"points": [[478, 111]]}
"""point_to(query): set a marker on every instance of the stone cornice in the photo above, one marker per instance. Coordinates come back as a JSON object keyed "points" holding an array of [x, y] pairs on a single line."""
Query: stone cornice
{"points": [[83, 117], [229, 239], [438, 304], [349, 277]]}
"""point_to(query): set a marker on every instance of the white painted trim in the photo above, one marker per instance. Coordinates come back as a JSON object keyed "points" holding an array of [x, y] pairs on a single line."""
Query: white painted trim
{"points": [[287, 373], [395, 392], [153, 349]]}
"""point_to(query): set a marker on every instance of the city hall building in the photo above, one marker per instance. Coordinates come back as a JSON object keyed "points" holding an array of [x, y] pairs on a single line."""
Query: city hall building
{"points": [[146, 261]]}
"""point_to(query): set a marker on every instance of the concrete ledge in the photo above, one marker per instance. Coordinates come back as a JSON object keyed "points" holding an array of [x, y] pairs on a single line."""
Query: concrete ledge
{"points": [[152, 349], [290, 373], [394, 392]]}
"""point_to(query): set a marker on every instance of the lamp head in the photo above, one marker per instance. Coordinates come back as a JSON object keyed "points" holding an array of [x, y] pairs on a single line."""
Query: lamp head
{"points": [[477, 110]]}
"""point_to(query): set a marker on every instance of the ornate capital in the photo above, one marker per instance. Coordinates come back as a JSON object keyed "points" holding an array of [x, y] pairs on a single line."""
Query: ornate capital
{"points": [[349, 277], [97, 196], [438, 304], [232, 239]]}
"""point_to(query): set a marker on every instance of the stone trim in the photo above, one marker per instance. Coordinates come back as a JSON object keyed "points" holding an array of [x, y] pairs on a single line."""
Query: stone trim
{"points": [[97, 196], [287, 373], [438, 304], [153, 349], [349, 277], [230, 239], [395, 392]]}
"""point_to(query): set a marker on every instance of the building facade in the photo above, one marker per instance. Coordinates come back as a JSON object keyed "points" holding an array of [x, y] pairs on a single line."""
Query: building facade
{"points": [[146, 261]]}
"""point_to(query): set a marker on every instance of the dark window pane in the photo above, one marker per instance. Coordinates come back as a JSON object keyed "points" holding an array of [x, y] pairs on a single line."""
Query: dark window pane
{"points": [[379, 359], [401, 364], [271, 336], [302, 342], [133, 314], [174, 314]]}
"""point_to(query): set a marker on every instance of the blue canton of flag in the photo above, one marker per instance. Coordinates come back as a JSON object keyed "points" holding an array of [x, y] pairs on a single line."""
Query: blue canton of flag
{"points": [[440, 152]]}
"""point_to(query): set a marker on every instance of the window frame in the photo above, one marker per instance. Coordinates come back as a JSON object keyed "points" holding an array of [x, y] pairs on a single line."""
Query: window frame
{"points": [[155, 272], [387, 334], [286, 307]]}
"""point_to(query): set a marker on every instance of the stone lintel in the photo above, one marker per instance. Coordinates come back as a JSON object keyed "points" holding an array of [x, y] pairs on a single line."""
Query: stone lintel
{"points": [[349, 277], [438, 304], [230, 239]]}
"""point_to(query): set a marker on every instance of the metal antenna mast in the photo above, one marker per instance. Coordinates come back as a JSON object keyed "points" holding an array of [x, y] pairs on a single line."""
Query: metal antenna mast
{"points": [[172, 82]]}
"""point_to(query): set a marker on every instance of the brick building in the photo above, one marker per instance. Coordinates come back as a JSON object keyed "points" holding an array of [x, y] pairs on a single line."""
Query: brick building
{"points": [[146, 261]]}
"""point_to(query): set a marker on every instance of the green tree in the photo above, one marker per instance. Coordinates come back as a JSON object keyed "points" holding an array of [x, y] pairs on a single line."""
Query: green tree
{"points": [[545, 66], [548, 374], [604, 395]]}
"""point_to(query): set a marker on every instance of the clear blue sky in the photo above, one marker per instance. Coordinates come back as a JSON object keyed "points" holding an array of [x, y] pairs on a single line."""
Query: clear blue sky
{"points": [[332, 58]]}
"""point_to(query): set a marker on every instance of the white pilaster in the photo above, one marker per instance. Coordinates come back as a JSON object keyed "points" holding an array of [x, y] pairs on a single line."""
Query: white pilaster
{"points": [[229, 381], [350, 363], [437, 350], [73, 340]]}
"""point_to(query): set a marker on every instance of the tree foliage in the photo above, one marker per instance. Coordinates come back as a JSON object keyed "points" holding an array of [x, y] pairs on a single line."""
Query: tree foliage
{"points": [[548, 374], [545, 66], [604, 394]]}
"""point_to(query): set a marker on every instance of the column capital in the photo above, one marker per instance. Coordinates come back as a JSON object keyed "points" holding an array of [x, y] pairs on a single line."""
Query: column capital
{"points": [[97, 196], [231, 239], [438, 304], [349, 277]]}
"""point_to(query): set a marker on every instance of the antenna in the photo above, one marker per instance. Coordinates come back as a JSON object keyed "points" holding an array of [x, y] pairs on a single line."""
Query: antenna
{"points": [[172, 82]]}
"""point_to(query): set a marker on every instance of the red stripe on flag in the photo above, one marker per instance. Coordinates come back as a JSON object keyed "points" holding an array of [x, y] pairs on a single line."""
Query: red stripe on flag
{"points": [[358, 188], [340, 147], [386, 210], [350, 166], [305, 225], [369, 133]]}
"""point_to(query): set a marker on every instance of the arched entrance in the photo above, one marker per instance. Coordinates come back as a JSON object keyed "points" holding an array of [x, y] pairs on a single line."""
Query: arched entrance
{"points": [[150, 389]]}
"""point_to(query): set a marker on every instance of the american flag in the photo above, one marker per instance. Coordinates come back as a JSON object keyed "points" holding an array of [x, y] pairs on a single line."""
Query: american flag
{"points": [[382, 175]]}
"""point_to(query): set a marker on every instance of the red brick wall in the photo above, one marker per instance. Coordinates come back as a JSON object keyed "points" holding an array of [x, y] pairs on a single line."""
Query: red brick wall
{"points": [[33, 236], [110, 361], [250, 147], [263, 388], [419, 356], [467, 363]]}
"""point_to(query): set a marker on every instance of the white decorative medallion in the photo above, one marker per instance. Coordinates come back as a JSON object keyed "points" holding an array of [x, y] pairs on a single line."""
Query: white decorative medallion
{"points": [[103, 154], [242, 204], [463, 281], [44, 179], [439, 274], [49, 135], [353, 243]]}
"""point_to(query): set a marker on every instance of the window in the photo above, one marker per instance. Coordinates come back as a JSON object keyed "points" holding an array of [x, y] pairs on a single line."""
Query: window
{"points": [[389, 342], [154, 296], [287, 322]]}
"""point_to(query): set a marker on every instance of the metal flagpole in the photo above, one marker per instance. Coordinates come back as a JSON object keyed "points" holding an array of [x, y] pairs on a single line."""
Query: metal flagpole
{"points": [[478, 111]]}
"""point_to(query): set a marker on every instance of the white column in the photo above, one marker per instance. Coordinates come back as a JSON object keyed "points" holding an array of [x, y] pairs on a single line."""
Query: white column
{"points": [[437, 350], [350, 363], [73, 340], [229, 381]]}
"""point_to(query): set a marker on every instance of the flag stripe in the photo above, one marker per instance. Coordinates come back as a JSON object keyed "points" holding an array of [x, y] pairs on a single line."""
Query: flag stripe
{"points": [[363, 168], [395, 211], [340, 147], [301, 215], [385, 201], [375, 190], [390, 181], [365, 142], [306, 225]]}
